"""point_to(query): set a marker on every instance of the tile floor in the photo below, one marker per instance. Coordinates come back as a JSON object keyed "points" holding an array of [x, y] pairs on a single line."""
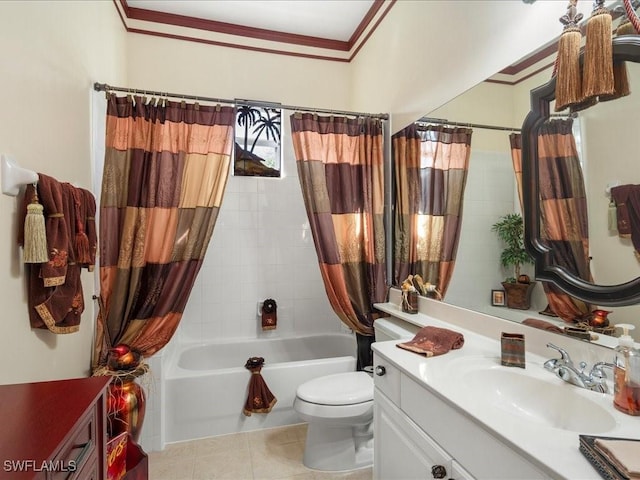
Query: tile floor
{"points": [[272, 454]]}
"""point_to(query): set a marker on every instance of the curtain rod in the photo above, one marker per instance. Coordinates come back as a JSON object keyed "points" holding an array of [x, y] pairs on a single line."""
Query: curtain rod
{"points": [[103, 87], [443, 121]]}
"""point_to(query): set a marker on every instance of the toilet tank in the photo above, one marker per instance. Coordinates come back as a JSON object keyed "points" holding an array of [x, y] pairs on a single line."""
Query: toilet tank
{"points": [[390, 328]]}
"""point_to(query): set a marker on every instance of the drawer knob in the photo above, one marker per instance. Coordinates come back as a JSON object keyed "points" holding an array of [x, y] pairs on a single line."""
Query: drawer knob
{"points": [[438, 471], [380, 370]]}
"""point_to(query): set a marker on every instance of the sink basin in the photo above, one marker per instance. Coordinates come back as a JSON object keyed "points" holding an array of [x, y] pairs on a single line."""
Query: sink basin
{"points": [[543, 401]]}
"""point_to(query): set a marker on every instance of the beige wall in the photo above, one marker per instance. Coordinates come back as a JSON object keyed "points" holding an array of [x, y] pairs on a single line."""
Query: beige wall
{"points": [[50, 54], [403, 70], [187, 67]]}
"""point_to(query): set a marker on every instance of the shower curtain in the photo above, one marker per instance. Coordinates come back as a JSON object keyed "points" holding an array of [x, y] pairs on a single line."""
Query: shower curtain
{"points": [[563, 208], [431, 166], [165, 170], [340, 167]]}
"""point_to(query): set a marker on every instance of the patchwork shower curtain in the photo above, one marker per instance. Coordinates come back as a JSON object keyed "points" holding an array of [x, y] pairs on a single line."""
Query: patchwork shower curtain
{"points": [[563, 209], [431, 166], [340, 167], [165, 171]]}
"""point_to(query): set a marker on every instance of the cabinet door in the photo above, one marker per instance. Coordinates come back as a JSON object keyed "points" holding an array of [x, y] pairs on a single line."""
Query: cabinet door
{"points": [[402, 451]]}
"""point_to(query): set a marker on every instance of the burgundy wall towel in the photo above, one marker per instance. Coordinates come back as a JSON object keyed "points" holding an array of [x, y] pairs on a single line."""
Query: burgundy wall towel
{"points": [[259, 398], [542, 324], [269, 314], [432, 341]]}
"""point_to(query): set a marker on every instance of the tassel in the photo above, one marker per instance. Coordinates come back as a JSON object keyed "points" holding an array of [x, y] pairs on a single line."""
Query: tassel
{"points": [[82, 248], [612, 217], [598, 54], [35, 235], [583, 105], [81, 243], [567, 66], [620, 74], [620, 83]]}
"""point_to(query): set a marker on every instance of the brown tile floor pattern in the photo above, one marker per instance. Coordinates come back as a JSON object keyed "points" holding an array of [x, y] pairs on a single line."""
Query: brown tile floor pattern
{"points": [[271, 454]]}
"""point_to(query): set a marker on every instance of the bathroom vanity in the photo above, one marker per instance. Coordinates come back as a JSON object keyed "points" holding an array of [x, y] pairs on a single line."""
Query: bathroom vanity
{"points": [[463, 415]]}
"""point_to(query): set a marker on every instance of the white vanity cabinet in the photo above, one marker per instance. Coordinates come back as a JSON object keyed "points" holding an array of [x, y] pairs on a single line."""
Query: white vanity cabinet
{"points": [[415, 431], [403, 451]]}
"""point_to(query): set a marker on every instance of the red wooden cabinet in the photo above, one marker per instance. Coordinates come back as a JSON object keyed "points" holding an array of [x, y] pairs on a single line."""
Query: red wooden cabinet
{"points": [[54, 430]]}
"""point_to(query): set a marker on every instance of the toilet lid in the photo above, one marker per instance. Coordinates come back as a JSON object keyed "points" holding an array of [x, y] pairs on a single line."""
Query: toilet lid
{"points": [[338, 389]]}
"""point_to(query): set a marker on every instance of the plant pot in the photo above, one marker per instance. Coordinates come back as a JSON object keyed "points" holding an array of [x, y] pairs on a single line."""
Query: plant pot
{"points": [[518, 294]]}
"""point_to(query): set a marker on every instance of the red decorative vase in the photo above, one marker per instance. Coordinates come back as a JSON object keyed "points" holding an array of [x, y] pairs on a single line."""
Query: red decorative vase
{"points": [[126, 405]]}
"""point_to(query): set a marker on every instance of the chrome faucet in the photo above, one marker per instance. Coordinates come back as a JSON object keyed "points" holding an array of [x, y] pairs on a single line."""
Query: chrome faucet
{"points": [[564, 368]]}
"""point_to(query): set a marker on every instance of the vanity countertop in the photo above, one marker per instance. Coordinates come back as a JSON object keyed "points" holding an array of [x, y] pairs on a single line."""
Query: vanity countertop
{"points": [[553, 450]]}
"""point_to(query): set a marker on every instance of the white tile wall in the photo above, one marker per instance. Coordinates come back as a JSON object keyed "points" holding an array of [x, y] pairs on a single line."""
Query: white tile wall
{"points": [[489, 194], [261, 248]]}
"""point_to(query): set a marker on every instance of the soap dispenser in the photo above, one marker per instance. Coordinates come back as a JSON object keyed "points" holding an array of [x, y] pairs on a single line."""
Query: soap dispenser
{"points": [[626, 395]]}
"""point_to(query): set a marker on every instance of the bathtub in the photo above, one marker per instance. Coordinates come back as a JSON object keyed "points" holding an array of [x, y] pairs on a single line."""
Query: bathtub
{"points": [[206, 384]]}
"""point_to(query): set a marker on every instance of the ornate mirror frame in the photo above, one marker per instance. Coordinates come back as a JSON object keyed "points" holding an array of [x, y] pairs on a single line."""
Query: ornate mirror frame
{"points": [[625, 48]]}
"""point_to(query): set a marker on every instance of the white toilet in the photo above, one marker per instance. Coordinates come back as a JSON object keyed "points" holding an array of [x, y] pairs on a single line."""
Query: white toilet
{"points": [[339, 411]]}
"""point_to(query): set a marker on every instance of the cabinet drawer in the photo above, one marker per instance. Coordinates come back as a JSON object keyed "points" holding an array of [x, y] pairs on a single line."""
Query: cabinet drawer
{"points": [[78, 450], [386, 378]]}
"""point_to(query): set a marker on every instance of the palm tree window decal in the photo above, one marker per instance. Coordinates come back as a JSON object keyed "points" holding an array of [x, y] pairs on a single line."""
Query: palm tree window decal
{"points": [[257, 141]]}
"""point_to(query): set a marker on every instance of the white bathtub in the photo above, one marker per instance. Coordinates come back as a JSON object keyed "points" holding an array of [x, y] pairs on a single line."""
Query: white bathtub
{"points": [[206, 387]]}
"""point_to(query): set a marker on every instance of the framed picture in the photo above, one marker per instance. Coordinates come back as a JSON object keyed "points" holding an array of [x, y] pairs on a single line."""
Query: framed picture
{"points": [[498, 298]]}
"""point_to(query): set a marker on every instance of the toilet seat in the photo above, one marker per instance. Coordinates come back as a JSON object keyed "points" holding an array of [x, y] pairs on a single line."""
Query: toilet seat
{"points": [[350, 388]]}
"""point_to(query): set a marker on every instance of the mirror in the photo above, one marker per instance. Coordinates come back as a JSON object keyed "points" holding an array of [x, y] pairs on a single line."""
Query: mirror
{"points": [[491, 192], [609, 118]]}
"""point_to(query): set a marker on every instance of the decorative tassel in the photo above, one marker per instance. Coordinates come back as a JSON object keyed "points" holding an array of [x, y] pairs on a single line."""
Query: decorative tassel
{"points": [[35, 235], [588, 103], [620, 83], [620, 75], [567, 66], [81, 243], [82, 248], [612, 217], [598, 54]]}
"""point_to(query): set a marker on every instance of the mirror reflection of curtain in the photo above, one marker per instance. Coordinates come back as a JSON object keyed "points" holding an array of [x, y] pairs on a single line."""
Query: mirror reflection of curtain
{"points": [[340, 167], [431, 166], [563, 207], [165, 171]]}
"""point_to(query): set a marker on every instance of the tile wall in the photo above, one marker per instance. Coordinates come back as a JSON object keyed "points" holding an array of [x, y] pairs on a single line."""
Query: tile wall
{"points": [[490, 193], [261, 248]]}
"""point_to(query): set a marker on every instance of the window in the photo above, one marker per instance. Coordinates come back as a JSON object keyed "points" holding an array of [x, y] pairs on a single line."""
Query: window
{"points": [[257, 141]]}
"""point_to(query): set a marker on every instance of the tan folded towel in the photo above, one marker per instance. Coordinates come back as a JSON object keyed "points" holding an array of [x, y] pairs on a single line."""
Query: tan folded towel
{"points": [[623, 454], [432, 341], [542, 324]]}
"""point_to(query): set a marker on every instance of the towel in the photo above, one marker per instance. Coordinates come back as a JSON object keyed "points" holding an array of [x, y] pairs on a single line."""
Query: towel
{"points": [[269, 314], [627, 198], [259, 397], [432, 341], [542, 324], [623, 454], [54, 288]]}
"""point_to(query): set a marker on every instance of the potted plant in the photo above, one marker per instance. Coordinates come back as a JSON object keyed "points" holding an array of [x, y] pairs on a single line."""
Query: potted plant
{"points": [[510, 229]]}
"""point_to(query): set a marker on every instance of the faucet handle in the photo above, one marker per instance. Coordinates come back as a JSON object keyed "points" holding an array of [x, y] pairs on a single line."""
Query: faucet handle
{"points": [[598, 378], [563, 353], [597, 369]]}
